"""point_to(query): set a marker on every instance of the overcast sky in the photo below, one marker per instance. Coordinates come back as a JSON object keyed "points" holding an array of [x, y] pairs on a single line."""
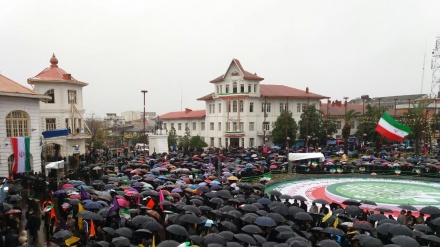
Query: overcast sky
{"points": [[174, 48]]}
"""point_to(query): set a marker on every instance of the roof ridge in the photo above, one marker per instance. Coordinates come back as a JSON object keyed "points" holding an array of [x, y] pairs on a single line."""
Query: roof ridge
{"points": [[22, 86]]}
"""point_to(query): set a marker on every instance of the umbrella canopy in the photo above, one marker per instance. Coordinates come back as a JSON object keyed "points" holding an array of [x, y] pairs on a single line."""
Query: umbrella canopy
{"points": [[124, 232], [303, 216], [422, 228], [168, 243], [299, 198], [190, 218], [87, 215], [214, 238], [61, 236], [177, 229], [328, 243], [321, 201], [228, 235], [120, 242], [153, 226], [252, 229], [405, 241], [275, 193], [244, 238], [351, 202], [249, 208], [102, 244], [385, 210], [430, 210], [229, 225], [264, 201], [431, 238], [265, 221], [408, 207], [376, 217], [208, 223], [400, 230], [332, 230], [370, 242]]}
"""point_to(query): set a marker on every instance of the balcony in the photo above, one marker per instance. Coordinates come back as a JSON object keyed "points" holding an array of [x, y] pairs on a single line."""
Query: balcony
{"points": [[234, 133], [261, 133]]}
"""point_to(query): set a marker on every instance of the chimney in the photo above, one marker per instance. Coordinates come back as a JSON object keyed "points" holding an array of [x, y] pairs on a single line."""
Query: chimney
{"points": [[187, 110], [67, 77], [307, 89]]}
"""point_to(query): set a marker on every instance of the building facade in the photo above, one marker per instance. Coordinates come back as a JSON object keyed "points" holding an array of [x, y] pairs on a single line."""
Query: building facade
{"points": [[241, 111], [63, 110], [19, 117]]}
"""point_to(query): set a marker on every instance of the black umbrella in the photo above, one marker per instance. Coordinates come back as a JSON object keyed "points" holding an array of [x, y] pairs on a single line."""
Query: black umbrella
{"points": [[328, 243], [178, 230], [249, 208], [376, 217], [259, 238], [168, 243], [213, 238], [275, 193], [283, 210], [363, 226], [195, 201], [390, 221], [405, 241], [385, 210], [244, 238], [370, 242], [294, 210], [191, 208], [138, 220], [203, 189], [431, 238], [61, 236], [265, 221], [102, 244], [269, 244], [120, 242], [285, 196], [430, 210], [351, 202], [225, 194], [235, 214], [15, 198], [303, 216], [408, 207], [264, 201], [300, 198], [368, 202], [216, 200], [228, 235], [228, 225], [276, 217], [261, 212], [110, 231], [233, 244], [87, 215], [335, 231], [383, 228], [353, 210], [285, 235], [124, 232], [422, 228], [227, 208], [5, 207], [190, 218], [400, 230], [321, 201], [252, 229], [153, 226], [283, 229]]}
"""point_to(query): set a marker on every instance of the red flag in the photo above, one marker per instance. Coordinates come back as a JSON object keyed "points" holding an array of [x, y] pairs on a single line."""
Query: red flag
{"points": [[92, 229], [150, 203]]}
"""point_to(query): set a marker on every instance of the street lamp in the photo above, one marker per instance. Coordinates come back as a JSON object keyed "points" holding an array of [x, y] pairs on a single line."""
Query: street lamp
{"points": [[287, 143], [144, 144]]}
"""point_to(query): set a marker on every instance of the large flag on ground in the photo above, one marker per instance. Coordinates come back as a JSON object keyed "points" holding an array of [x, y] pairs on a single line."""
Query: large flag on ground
{"points": [[22, 154], [391, 129], [114, 206]]}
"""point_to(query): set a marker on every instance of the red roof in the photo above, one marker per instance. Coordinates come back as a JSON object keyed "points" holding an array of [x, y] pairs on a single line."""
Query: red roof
{"points": [[337, 108], [54, 73], [246, 75], [281, 91], [187, 114], [9, 86]]}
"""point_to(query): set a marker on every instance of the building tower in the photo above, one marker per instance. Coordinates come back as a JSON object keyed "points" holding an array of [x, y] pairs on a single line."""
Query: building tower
{"points": [[435, 66]]}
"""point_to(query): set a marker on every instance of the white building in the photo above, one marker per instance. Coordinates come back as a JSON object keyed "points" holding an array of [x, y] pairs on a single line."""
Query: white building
{"points": [[241, 111], [19, 117], [63, 110], [136, 115]]}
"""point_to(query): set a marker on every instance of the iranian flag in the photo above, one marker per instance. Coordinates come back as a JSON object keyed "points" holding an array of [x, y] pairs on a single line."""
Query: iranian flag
{"points": [[391, 129], [22, 154]]}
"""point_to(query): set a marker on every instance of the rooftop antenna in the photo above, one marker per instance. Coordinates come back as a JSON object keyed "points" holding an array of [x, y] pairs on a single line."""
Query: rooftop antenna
{"points": [[423, 70]]}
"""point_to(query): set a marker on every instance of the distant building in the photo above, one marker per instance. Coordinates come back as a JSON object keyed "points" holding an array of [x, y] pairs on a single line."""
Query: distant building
{"points": [[112, 120], [19, 117], [63, 110], [135, 115], [241, 111]]}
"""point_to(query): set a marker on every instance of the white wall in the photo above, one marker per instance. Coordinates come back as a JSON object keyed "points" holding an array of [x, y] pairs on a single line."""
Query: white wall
{"points": [[31, 107]]}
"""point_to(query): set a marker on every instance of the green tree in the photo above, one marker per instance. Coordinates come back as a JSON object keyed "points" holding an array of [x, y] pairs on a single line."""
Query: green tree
{"points": [[367, 125], [315, 124], [279, 129], [349, 118], [184, 140], [172, 137], [97, 133], [197, 142], [417, 119]]}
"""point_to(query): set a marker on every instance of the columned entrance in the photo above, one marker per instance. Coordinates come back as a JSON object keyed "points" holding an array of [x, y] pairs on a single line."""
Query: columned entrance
{"points": [[234, 142]]}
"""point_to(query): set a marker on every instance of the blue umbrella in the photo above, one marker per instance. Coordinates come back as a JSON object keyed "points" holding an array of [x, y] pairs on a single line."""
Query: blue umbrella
{"points": [[264, 201], [59, 192], [93, 206]]}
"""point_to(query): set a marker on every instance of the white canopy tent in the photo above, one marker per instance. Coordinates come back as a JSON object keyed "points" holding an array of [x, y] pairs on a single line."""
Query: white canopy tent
{"points": [[54, 165], [306, 156]]}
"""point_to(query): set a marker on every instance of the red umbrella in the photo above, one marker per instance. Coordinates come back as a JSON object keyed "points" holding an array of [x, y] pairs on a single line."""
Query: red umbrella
{"points": [[122, 203], [67, 186], [13, 211]]}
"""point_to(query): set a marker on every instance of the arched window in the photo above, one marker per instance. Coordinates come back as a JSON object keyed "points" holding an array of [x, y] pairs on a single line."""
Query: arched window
{"points": [[50, 93], [227, 88], [234, 87], [234, 106], [17, 124], [241, 105]]}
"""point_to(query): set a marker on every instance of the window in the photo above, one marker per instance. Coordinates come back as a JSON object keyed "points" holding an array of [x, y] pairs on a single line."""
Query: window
{"points": [[17, 124], [217, 89], [242, 142], [211, 126], [304, 107], [251, 106], [194, 126], [186, 126], [255, 88], [226, 142], [242, 88], [228, 127], [234, 87], [251, 126], [165, 126], [219, 126], [67, 123], [281, 107], [219, 142], [221, 89], [234, 126], [353, 125], [249, 88], [298, 107], [51, 123], [338, 125], [266, 125], [179, 126], [213, 108], [227, 88], [241, 126], [234, 106], [219, 107], [265, 107], [51, 94], [241, 105], [71, 96], [251, 142], [211, 142], [172, 126], [202, 127]]}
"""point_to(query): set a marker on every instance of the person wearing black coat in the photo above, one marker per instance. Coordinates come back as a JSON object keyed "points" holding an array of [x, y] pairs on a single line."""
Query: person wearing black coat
{"points": [[11, 239]]}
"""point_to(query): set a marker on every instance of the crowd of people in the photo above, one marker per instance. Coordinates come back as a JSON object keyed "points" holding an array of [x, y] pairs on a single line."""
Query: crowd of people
{"points": [[193, 200]]}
